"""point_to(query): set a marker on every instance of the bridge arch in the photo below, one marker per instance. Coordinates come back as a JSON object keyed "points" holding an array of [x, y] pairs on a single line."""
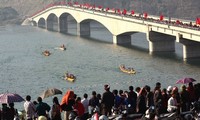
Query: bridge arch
{"points": [[63, 22], [42, 23], [52, 22]]}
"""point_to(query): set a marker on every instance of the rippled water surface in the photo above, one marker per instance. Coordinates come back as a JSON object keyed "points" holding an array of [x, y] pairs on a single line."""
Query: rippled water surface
{"points": [[94, 61]]}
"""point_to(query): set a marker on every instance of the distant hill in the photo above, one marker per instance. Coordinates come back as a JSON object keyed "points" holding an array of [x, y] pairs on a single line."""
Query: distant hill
{"points": [[14, 11]]}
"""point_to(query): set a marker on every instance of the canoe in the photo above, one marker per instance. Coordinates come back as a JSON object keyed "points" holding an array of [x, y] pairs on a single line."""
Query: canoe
{"points": [[127, 70]]}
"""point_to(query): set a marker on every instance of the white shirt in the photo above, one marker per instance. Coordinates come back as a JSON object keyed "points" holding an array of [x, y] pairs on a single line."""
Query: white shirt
{"points": [[85, 103], [30, 109], [172, 104]]}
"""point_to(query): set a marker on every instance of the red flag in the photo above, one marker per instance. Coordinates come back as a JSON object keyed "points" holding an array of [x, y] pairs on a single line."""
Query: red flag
{"points": [[161, 17], [124, 12], [107, 8], [178, 22], [145, 15], [132, 12], [118, 11], [198, 21], [99, 7]]}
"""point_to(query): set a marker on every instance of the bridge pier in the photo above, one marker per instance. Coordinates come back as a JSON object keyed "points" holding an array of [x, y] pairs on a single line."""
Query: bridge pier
{"points": [[83, 29], [122, 39], [191, 49], [159, 42]]}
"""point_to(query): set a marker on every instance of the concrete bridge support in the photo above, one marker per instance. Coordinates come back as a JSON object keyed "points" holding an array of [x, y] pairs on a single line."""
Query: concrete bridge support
{"points": [[159, 42], [191, 49], [122, 39], [83, 29]]}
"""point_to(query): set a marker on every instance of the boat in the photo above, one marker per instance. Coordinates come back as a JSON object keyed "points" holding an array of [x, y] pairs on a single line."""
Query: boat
{"points": [[127, 70], [70, 77], [46, 53], [62, 47]]}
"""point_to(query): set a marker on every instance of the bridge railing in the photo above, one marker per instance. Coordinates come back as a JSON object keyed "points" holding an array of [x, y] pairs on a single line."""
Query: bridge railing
{"points": [[130, 14]]}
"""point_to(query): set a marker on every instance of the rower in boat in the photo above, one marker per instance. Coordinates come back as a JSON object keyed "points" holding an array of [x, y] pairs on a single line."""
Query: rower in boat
{"points": [[46, 53], [62, 47], [70, 77]]}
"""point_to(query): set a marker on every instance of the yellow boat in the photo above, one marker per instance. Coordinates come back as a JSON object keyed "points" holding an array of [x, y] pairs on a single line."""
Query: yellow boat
{"points": [[127, 70], [70, 77]]}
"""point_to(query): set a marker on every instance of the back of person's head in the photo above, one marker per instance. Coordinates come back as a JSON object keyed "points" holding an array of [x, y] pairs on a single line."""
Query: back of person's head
{"points": [[164, 90], [11, 105], [28, 97], [190, 84], [99, 96], [35, 102], [39, 99], [183, 87], [55, 100], [148, 88], [85, 95], [94, 93], [158, 84], [107, 87], [137, 89], [4, 105], [131, 88], [121, 92], [115, 92], [78, 99]]}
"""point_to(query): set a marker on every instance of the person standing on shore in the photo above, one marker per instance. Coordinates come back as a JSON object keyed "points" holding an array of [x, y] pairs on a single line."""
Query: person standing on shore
{"points": [[107, 101], [93, 103], [55, 111], [67, 103], [29, 108], [158, 99], [85, 103], [42, 108]]}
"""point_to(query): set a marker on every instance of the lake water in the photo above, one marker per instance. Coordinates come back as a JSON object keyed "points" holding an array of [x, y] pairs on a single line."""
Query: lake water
{"points": [[94, 61]]}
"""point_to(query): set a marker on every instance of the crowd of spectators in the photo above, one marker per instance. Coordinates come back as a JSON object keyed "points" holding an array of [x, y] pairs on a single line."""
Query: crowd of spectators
{"points": [[138, 100]]}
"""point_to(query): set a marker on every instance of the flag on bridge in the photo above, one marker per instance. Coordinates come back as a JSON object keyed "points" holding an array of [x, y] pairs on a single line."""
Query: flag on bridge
{"points": [[161, 17], [132, 12], [198, 21], [145, 15], [124, 12]]}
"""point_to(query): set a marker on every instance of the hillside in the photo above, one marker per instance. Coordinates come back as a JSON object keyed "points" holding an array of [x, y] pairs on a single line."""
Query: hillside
{"points": [[182, 9]]}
